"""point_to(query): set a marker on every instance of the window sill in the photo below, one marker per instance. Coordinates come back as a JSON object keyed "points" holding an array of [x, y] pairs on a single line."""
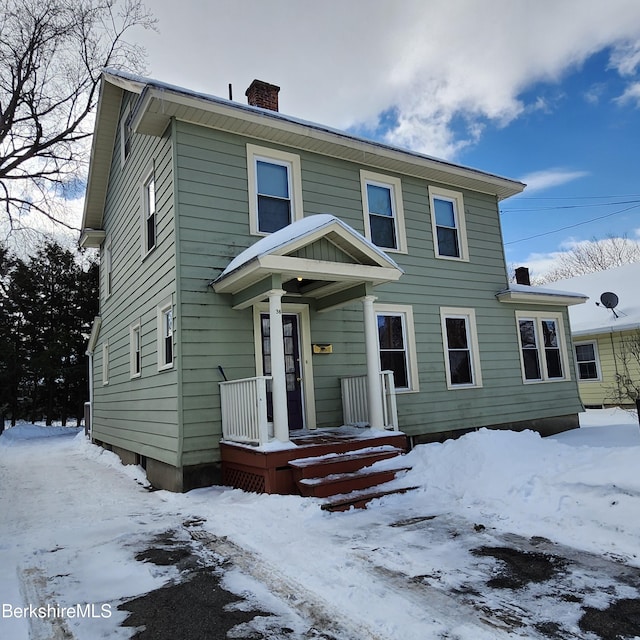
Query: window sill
{"points": [[453, 258]]}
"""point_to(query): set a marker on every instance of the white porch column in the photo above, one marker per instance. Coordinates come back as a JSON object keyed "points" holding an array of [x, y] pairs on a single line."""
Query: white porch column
{"points": [[279, 383], [374, 384]]}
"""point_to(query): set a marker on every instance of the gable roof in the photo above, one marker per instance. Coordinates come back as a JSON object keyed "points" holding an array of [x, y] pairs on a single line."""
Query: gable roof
{"points": [[307, 230], [593, 317], [159, 102], [276, 255]]}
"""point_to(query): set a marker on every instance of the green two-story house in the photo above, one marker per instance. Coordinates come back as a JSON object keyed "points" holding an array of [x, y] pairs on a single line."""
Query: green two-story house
{"points": [[262, 275]]}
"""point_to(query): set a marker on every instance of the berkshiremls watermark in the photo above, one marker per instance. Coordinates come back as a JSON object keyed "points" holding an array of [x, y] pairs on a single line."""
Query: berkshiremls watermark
{"points": [[57, 611]]}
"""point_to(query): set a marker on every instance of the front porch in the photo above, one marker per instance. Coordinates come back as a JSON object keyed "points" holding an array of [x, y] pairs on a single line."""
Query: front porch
{"points": [[282, 468]]}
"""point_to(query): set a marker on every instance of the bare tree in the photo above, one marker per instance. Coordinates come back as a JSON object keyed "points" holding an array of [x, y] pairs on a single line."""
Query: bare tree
{"points": [[626, 388], [51, 56], [595, 255]]}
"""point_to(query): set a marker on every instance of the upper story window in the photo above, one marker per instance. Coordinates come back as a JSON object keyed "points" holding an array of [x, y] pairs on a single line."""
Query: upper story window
{"points": [[448, 222], [149, 212], [383, 211], [397, 346], [275, 189], [587, 361], [462, 356], [125, 134], [106, 264], [543, 356]]}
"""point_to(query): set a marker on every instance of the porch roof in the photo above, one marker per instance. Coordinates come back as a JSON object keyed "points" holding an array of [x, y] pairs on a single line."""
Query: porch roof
{"points": [[276, 262]]}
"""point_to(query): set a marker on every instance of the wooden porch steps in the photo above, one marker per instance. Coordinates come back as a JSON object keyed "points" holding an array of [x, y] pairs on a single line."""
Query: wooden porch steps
{"points": [[347, 474], [315, 455], [360, 499], [333, 463]]}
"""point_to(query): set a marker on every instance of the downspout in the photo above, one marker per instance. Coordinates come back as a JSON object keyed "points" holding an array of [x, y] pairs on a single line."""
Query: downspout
{"points": [[90, 356], [91, 346]]}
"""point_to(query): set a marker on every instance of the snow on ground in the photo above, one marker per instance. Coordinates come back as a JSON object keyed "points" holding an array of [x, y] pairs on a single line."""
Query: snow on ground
{"points": [[72, 518]]}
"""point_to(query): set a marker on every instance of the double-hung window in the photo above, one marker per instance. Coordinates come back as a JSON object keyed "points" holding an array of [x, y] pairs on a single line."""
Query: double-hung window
{"points": [[587, 361], [149, 210], [165, 336], [275, 189], [462, 357], [448, 223], [125, 134], [105, 363], [106, 264], [383, 211], [543, 356], [396, 341], [135, 351]]}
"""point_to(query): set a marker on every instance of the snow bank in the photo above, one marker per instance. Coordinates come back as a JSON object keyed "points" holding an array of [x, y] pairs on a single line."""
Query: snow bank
{"points": [[584, 496], [27, 431]]}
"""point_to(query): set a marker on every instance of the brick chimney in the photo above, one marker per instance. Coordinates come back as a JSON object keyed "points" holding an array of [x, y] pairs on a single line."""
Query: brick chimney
{"points": [[262, 94], [522, 276]]}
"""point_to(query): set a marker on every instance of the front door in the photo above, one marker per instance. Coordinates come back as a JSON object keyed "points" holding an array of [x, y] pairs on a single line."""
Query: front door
{"points": [[292, 367]]}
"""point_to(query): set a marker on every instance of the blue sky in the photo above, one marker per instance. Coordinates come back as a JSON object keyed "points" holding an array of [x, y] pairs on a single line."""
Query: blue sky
{"points": [[581, 136], [528, 89]]}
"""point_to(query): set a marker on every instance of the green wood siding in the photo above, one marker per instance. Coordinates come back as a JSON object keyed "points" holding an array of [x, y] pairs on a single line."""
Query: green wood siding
{"points": [[214, 228], [139, 414]]}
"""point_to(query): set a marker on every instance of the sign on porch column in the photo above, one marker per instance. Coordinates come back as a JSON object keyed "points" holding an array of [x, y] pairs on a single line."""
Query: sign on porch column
{"points": [[279, 384], [374, 384]]}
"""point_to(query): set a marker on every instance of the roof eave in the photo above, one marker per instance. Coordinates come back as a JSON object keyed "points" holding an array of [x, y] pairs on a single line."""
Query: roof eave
{"points": [[159, 104], [532, 297]]}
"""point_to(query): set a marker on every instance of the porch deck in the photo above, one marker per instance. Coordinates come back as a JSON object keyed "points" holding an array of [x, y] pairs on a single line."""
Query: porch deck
{"points": [[268, 470]]}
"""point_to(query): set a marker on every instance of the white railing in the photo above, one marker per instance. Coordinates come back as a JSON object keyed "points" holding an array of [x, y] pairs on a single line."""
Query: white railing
{"points": [[354, 400], [244, 410]]}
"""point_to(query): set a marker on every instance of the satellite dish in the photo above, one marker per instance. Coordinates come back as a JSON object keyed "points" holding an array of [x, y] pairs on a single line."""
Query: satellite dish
{"points": [[609, 300]]}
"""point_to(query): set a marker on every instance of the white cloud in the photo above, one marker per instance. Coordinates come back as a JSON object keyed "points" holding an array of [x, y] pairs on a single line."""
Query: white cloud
{"points": [[540, 180], [631, 94], [345, 63], [626, 57]]}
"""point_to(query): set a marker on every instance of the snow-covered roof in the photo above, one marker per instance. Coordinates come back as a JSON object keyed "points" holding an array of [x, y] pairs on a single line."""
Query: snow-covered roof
{"points": [[539, 295], [297, 231], [594, 317]]}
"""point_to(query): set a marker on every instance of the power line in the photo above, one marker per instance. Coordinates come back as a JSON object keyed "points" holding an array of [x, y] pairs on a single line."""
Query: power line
{"points": [[624, 195], [571, 206], [572, 226]]}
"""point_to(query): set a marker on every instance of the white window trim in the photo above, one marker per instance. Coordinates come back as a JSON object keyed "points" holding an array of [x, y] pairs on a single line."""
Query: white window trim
{"points": [[594, 343], [105, 364], [136, 327], [149, 177], [163, 307], [304, 326], [456, 197], [395, 186], [123, 135], [538, 317], [292, 161], [108, 267], [406, 311], [469, 315]]}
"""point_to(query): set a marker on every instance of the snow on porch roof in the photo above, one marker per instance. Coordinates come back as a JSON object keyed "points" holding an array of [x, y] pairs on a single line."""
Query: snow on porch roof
{"points": [[297, 231]]}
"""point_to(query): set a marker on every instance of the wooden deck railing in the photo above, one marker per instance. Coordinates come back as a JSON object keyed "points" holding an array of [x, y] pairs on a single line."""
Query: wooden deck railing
{"points": [[355, 405], [244, 410]]}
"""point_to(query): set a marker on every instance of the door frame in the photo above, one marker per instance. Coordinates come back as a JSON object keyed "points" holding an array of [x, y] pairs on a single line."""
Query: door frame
{"points": [[306, 365]]}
